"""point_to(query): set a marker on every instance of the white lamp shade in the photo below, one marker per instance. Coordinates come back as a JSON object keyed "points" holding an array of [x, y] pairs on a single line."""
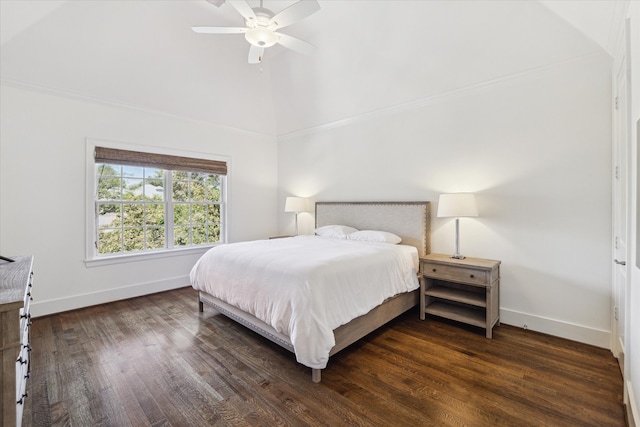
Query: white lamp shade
{"points": [[295, 204], [457, 205]]}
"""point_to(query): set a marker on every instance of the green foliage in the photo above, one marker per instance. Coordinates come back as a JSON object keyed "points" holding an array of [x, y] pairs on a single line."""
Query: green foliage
{"points": [[108, 186], [131, 208]]}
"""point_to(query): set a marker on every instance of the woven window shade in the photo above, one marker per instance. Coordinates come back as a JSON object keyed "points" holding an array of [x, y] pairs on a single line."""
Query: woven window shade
{"points": [[161, 161]]}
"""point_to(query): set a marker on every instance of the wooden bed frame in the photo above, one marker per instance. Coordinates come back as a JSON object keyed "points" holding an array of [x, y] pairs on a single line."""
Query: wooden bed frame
{"points": [[409, 220]]}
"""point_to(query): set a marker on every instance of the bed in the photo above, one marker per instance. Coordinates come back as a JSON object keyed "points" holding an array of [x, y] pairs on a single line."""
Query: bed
{"points": [[329, 262]]}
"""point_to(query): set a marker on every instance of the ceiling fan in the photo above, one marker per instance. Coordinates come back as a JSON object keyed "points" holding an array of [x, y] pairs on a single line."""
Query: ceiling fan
{"points": [[262, 27]]}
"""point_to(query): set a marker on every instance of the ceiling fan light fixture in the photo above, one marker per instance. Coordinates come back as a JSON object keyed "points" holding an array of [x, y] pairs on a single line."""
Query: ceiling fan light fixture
{"points": [[261, 37], [262, 26]]}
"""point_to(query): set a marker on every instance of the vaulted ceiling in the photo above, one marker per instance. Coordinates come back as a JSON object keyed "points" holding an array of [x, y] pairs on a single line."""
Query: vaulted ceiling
{"points": [[371, 54]]}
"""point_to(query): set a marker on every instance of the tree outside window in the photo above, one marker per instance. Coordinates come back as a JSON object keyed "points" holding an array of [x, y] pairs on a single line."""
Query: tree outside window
{"points": [[142, 208]]}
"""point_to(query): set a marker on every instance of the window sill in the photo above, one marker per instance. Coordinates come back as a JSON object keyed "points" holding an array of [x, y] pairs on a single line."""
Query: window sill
{"points": [[144, 256]]}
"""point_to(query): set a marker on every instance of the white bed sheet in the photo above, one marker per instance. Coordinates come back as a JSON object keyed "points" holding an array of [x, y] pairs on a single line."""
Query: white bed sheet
{"points": [[306, 286]]}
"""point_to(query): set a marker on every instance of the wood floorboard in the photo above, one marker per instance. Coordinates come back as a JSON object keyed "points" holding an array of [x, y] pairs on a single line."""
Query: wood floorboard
{"points": [[511, 389], [157, 361], [450, 408]]}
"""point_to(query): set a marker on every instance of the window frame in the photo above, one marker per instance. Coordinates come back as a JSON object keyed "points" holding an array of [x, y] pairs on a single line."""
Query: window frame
{"points": [[93, 258]]}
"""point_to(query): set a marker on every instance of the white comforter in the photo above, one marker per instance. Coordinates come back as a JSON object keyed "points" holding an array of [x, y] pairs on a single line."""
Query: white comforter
{"points": [[306, 286]]}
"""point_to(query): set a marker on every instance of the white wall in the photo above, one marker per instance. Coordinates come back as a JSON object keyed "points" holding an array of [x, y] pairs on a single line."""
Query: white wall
{"points": [[535, 147], [42, 191]]}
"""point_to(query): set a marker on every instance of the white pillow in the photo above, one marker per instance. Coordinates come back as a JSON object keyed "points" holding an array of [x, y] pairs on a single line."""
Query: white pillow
{"points": [[375, 236], [335, 231]]}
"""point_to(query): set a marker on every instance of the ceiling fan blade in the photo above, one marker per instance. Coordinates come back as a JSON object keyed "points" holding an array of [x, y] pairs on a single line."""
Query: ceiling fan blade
{"points": [[295, 12], [243, 9], [255, 54], [219, 30], [296, 44], [216, 3]]}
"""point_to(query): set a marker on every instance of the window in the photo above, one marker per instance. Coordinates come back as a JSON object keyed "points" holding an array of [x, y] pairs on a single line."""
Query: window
{"points": [[147, 202]]}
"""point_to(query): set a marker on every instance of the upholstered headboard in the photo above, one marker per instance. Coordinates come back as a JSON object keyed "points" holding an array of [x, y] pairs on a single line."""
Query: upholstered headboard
{"points": [[409, 220]]}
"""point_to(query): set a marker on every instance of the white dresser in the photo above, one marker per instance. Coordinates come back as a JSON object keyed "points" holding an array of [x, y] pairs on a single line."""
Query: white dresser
{"points": [[15, 319]]}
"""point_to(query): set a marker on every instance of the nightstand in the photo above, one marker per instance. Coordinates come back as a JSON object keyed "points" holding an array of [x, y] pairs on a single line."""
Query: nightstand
{"points": [[465, 290]]}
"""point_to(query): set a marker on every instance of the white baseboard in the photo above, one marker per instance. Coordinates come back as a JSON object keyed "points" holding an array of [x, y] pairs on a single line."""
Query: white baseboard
{"points": [[44, 308], [554, 327], [633, 416], [558, 328]]}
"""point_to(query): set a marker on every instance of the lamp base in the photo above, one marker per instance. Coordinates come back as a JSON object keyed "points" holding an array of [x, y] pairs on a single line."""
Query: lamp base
{"points": [[457, 254]]}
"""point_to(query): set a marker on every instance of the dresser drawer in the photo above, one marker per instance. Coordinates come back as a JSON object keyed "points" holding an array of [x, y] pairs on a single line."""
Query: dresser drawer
{"points": [[25, 348], [25, 321], [24, 336], [22, 370], [458, 273], [27, 294]]}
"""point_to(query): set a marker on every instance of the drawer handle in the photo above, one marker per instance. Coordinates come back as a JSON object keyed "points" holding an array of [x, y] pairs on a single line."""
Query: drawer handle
{"points": [[472, 276], [21, 401], [434, 270]]}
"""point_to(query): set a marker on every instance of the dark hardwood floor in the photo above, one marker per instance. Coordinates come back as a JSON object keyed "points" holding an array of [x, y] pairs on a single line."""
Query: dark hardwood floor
{"points": [[156, 361]]}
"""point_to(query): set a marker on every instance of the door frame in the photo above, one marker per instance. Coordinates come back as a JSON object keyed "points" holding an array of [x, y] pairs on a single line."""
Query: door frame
{"points": [[622, 58], [620, 205]]}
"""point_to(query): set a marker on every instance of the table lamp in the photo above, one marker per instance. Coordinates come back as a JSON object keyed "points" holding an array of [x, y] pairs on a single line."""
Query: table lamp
{"points": [[297, 205], [457, 205]]}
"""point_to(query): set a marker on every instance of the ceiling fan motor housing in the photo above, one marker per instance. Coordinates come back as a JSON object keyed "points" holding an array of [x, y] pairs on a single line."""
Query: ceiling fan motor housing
{"points": [[262, 31]]}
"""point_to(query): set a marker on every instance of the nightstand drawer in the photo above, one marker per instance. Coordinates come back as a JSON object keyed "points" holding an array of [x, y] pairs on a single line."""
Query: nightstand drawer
{"points": [[455, 274]]}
